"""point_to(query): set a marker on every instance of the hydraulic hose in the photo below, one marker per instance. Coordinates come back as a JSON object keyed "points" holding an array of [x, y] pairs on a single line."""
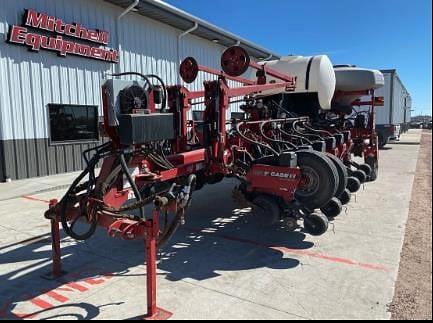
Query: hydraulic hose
{"points": [[309, 142], [238, 130], [76, 188], [164, 88], [64, 206], [132, 183], [262, 131], [179, 217], [149, 83], [144, 77]]}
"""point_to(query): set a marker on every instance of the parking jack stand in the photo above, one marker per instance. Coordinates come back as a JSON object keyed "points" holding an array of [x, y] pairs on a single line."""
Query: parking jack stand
{"points": [[56, 271], [154, 313], [57, 257]]}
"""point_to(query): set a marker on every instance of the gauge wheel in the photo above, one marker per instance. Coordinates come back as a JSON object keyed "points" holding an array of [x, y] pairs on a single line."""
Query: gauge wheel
{"points": [[319, 179], [316, 224], [342, 173]]}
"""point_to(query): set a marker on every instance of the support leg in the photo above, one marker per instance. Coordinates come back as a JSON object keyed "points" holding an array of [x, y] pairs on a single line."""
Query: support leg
{"points": [[153, 312], [56, 271], [56, 251]]}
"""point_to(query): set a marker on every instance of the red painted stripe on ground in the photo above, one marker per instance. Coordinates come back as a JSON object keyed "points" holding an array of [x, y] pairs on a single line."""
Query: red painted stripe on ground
{"points": [[299, 252], [332, 259], [71, 287], [94, 281], [63, 289], [5, 314], [77, 287], [41, 303], [31, 198], [56, 296], [23, 316]]}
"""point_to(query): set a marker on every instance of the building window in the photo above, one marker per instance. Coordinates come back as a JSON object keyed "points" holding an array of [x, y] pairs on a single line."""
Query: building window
{"points": [[73, 123]]}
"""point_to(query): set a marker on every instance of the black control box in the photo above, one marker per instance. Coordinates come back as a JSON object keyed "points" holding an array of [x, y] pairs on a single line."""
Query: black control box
{"points": [[136, 129]]}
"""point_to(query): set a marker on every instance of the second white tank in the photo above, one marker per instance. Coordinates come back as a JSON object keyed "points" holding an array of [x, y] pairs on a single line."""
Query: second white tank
{"points": [[315, 75]]}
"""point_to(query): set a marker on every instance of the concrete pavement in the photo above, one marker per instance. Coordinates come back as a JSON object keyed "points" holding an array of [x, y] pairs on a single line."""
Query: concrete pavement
{"points": [[221, 265]]}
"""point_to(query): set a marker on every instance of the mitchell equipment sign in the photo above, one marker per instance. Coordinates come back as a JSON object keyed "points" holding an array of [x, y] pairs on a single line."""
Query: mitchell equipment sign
{"points": [[33, 20]]}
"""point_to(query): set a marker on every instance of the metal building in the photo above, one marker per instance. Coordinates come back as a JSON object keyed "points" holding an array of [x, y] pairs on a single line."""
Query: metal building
{"points": [[55, 54]]}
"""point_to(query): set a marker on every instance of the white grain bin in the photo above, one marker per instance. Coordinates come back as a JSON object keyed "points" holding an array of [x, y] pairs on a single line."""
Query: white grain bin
{"points": [[315, 78]]}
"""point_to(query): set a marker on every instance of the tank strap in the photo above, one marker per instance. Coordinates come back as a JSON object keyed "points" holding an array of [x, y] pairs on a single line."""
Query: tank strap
{"points": [[307, 78]]}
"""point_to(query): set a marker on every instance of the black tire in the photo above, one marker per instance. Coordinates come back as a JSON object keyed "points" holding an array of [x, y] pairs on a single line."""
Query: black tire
{"points": [[322, 179], [342, 173], [316, 224], [382, 141], [269, 210], [333, 208], [346, 197], [353, 184], [361, 175], [374, 164], [366, 169]]}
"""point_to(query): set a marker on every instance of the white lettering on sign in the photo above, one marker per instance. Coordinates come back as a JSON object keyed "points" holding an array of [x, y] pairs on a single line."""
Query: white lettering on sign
{"points": [[280, 175]]}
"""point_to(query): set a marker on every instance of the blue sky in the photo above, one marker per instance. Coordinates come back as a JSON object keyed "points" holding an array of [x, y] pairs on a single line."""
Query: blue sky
{"points": [[369, 33]]}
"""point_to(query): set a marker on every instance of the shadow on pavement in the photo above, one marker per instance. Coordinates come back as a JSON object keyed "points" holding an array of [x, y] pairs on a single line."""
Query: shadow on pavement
{"points": [[205, 246], [235, 243], [25, 292], [406, 143]]}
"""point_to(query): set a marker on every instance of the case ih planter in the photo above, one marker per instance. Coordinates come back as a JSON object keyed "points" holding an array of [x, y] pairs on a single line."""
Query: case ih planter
{"points": [[157, 155]]}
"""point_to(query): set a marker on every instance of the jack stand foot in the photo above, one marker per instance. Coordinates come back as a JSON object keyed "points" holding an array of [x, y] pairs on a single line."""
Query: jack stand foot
{"points": [[51, 277], [160, 315]]}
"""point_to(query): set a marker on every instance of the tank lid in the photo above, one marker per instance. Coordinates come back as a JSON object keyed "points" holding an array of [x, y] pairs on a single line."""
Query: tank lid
{"points": [[344, 65]]}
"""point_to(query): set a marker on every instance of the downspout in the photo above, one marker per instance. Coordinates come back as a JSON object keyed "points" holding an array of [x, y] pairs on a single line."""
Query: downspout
{"points": [[268, 58], [129, 9], [179, 39], [124, 13]]}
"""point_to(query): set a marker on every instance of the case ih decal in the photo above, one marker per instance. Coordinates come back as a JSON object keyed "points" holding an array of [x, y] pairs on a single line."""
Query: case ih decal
{"points": [[53, 38]]}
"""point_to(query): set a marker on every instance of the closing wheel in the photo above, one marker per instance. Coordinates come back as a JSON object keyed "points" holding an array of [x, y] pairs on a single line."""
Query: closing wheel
{"points": [[316, 224], [366, 169], [342, 173], [361, 175], [319, 179], [346, 197], [353, 184], [333, 208], [267, 210], [374, 164]]}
